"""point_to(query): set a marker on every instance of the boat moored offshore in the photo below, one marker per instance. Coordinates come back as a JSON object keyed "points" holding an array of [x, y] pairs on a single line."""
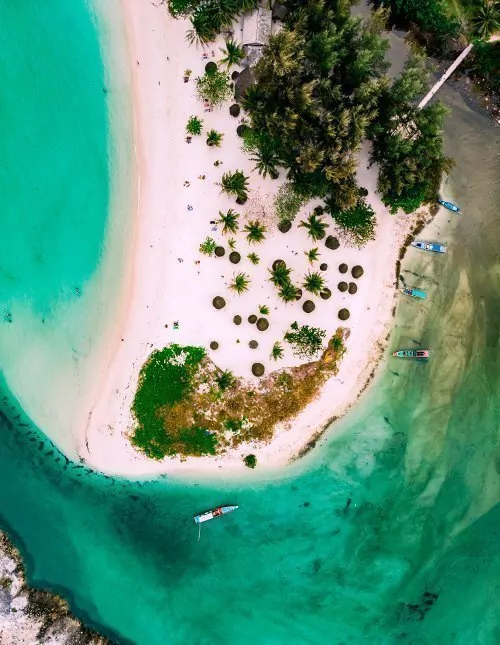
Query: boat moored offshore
{"points": [[419, 354], [414, 293], [216, 512], [450, 206], [430, 246]]}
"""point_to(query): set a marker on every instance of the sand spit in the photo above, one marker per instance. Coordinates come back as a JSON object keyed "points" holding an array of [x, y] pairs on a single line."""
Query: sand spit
{"points": [[178, 198]]}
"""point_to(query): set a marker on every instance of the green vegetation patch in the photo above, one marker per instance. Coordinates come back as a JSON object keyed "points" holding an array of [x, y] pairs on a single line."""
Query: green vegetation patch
{"points": [[186, 406], [165, 379]]}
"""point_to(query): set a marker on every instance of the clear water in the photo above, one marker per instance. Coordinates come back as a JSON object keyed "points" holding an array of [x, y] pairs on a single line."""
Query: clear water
{"points": [[58, 170], [419, 458]]}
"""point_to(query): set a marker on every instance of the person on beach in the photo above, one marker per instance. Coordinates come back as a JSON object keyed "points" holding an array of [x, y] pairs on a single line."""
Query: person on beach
{"points": [[190, 208], [217, 163], [201, 176], [187, 183], [188, 138]]}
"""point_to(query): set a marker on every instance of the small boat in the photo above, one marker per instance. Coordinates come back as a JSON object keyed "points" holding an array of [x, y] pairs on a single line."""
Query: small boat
{"points": [[216, 512], [415, 293], [430, 246], [413, 353], [210, 515], [450, 206]]}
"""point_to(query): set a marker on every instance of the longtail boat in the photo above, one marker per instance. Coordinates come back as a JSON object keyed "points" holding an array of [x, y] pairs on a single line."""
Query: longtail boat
{"points": [[419, 354], [414, 293], [450, 206], [430, 246], [210, 515]]}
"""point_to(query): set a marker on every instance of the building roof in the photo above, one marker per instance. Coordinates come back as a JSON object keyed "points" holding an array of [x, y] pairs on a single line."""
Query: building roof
{"points": [[243, 82], [257, 27]]}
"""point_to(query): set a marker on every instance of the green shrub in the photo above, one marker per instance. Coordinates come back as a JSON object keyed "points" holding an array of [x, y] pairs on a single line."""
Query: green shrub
{"points": [[250, 461], [306, 341], [214, 87], [164, 380], [194, 125], [208, 246], [287, 203], [358, 222]]}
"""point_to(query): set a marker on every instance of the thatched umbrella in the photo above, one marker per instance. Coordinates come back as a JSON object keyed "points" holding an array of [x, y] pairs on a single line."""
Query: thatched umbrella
{"points": [[353, 287], [298, 293], [284, 226], [357, 271], [262, 324], [325, 294], [219, 302], [234, 110], [210, 67], [252, 319], [237, 320], [323, 266], [253, 344], [308, 306], [234, 257], [278, 263], [258, 369], [332, 243], [342, 268], [214, 345], [319, 210], [344, 314], [342, 286], [220, 251]]}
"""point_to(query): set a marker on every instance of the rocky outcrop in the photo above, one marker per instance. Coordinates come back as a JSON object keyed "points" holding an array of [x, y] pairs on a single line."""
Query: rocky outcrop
{"points": [[30, 616]]}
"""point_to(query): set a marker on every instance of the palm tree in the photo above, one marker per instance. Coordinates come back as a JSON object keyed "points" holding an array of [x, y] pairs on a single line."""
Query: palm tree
{"points": [[287, 292], [194, 125], [280, 276], [231, 243], [264, 310], [266, 161], [240, 283], [229, 221], [235, 183], [255, 231], [254, 258], [233, 53], [313, 282], [312, 255], [486, 19], [277, 351], [214, 138], [225, 380], [315, 227]]}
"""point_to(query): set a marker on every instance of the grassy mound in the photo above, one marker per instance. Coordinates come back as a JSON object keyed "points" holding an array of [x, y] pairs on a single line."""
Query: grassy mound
{"points": [[181, 409], [165, 380]]}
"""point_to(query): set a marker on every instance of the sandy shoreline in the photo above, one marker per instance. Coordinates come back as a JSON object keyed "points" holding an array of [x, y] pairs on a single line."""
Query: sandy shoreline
{"points": [[168, 286]]}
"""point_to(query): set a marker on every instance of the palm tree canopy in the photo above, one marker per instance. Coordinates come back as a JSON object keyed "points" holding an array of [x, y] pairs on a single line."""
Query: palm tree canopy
{"points": [[233, 53], [486, 19]]}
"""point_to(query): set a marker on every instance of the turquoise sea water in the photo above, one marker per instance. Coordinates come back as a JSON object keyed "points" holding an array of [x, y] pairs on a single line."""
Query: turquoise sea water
{"points": [[388, 534], [55, 180]]}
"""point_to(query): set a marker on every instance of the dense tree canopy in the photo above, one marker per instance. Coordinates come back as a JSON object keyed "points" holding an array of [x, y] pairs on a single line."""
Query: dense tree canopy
{"points": [[317, 90], [407, 143]]}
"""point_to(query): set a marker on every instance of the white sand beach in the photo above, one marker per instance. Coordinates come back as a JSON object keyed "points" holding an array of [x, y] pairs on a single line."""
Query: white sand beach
{"points": [[168, 285]]}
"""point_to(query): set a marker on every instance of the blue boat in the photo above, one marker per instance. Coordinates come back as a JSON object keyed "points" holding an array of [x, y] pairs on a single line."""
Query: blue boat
{"points": [[415, 293], [418, 354], [450, 206], [430, 246]]}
